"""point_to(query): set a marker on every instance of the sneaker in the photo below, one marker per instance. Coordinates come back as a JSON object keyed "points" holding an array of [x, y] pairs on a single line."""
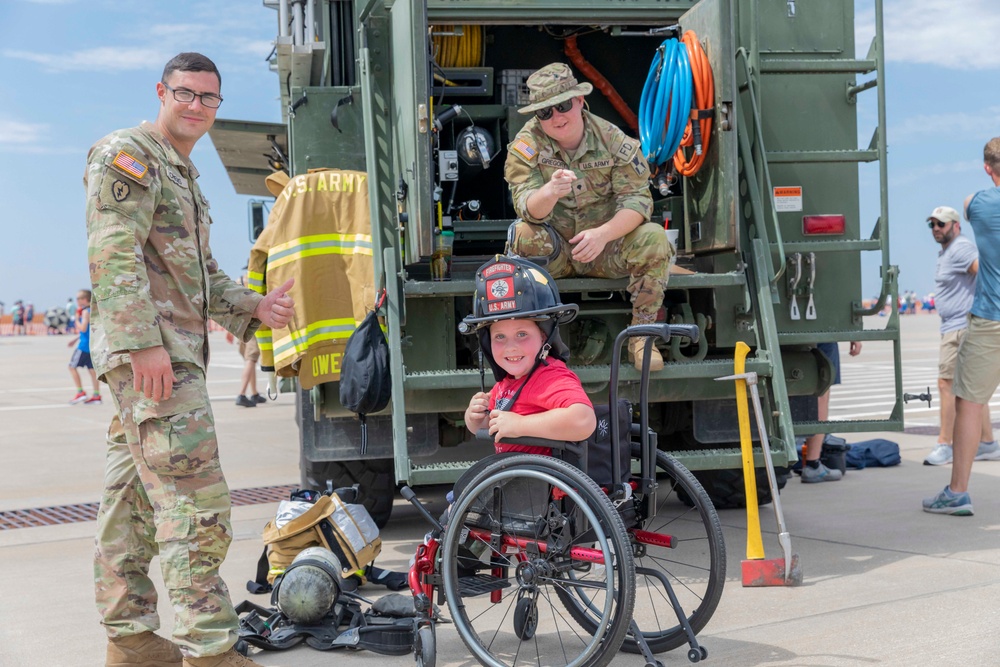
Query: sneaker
{"points": [[257, 398], [812, 475], [245, 402], [80, 397], [946, 502], [941, 456], [988, 451], [93, 400]]}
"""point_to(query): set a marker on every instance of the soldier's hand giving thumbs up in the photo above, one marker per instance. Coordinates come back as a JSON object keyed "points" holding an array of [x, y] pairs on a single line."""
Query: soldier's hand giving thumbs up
{"points": [[276, 308]]}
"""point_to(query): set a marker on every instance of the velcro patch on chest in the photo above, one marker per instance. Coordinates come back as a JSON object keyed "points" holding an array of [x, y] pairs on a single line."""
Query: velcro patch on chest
{"points": [[595, 164]]}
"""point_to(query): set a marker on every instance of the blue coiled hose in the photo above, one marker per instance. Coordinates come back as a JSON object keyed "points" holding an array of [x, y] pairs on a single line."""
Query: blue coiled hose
{"points": [[665, 104]]}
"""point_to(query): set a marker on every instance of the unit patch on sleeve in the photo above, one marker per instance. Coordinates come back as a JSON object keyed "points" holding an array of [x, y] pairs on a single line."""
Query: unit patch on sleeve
{"points": [[638, 166], [120, 190], [129, 165]]}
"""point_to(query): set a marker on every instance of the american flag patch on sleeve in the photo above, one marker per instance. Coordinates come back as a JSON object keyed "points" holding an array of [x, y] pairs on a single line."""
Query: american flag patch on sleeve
{"points": [[524, 149], [129, 164]]}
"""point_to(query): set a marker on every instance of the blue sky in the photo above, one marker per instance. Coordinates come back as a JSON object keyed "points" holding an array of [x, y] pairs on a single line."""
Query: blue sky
{"points": [[72, 71]]}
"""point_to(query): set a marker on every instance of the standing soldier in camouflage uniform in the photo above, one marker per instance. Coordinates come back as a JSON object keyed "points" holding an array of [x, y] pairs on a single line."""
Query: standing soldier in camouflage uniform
{"points": [[155, 287], [581, 189]]}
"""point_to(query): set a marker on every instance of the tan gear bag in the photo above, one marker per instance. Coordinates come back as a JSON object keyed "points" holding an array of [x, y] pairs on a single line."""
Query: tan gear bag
{"points": [[347, 530]]}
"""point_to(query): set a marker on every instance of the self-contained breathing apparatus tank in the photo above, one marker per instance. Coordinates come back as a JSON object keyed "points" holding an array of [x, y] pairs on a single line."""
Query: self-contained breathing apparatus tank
{"points": [[309, 588]]}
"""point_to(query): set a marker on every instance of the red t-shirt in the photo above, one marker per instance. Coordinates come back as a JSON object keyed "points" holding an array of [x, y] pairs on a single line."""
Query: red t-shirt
{"points": [[552, 385]]}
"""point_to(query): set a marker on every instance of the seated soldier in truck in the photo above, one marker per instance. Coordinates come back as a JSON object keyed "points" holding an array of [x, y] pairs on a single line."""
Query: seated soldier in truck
{"points": [[581, 189]]}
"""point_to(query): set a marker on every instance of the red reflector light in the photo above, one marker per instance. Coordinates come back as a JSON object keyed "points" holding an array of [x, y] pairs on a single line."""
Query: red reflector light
{"points": [[823, 224]]}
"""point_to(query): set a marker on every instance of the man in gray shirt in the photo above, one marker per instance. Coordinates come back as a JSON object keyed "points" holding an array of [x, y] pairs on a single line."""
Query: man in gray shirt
{"points": [[954, 289]]}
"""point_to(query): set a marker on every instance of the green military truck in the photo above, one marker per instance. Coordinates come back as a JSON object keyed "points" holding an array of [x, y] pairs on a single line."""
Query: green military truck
{"points": [[423, 95]]}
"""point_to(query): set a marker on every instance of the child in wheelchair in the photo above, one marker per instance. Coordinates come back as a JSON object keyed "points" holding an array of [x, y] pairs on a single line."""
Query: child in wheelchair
{"points": [[516, 316], [547, 556]]}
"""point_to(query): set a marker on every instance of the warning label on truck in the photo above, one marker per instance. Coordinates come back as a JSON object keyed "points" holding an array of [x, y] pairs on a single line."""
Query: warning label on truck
{"points": [[788, 199]]}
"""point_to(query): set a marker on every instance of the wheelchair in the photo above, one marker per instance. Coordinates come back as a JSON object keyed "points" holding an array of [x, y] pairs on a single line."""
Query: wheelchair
{"points": [[540, 564]]}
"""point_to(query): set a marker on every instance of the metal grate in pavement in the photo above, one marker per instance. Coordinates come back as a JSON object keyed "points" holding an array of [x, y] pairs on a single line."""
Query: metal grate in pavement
{"points": [[62, 514]]}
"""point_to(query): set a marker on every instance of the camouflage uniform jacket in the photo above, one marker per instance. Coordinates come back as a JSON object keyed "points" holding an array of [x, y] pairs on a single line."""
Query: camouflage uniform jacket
{"points": [[154, 279], [611, 172]]}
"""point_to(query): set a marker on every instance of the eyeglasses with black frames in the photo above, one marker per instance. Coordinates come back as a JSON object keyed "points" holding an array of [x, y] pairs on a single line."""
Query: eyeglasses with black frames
{"points": [[185, 96], [937, 223], [562, 107]]}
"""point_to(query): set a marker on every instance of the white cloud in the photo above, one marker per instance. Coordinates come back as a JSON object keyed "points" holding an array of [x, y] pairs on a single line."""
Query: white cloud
{"points": [[102, 58], [928, 172], [30, 138], [14, 132], [955, 35], [981, 123]]}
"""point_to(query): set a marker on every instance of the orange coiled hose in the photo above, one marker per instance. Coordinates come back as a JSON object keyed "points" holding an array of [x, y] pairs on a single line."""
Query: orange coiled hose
{"points": [[573, 52], [704, 100]]}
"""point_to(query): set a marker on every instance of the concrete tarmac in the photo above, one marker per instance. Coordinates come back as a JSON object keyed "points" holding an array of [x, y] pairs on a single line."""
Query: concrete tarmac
{"points": [[885, 583]]}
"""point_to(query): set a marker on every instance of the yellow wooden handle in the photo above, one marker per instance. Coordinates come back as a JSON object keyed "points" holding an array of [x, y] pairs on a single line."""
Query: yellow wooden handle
{"points": [[755, 542]]}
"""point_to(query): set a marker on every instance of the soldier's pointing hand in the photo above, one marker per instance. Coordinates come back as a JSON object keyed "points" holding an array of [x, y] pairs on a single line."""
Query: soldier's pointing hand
{"points": [[561, 183]]}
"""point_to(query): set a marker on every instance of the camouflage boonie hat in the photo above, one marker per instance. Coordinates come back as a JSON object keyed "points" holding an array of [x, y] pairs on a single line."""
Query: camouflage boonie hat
{"points": [[551, 85]]}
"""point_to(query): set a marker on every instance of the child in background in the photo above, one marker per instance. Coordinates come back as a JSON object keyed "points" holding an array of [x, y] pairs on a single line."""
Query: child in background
{"points": [[81, 355]]}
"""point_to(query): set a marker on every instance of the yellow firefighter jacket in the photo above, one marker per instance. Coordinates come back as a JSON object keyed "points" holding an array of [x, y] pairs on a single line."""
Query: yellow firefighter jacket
{"points": [[318, 233]]}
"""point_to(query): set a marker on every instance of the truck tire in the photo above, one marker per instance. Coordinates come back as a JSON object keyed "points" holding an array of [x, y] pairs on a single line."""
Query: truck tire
{"points": [[375, 480], [726, 489]]}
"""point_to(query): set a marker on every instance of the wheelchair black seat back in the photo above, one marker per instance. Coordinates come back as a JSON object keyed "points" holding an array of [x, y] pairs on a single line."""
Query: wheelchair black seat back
{"points": [[542, 564]]}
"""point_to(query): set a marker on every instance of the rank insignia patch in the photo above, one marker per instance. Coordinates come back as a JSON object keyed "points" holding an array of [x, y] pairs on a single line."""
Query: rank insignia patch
{"points": [[120, 190], [129, 164]]}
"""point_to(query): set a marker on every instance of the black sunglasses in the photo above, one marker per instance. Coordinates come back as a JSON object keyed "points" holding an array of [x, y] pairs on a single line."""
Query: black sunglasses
{"points": [[931, 224], [562, 107]]}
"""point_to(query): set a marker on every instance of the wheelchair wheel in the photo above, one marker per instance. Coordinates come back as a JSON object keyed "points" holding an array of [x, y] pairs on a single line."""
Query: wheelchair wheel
{"points": [[525, 531], [695, 566]]}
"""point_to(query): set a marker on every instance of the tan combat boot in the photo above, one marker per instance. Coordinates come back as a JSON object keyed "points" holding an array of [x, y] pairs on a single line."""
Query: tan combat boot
{"points": [[635, 352], [146, 648], [230, 658]]}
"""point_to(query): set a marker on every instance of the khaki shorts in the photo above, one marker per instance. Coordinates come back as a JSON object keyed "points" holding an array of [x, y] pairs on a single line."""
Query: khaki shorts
{"points": [[249, 350], [977, 372], [950, 342]]}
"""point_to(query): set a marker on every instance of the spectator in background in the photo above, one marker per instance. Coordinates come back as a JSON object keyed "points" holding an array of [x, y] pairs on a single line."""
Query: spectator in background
{"points": [[29, 315], [977, 370], [71, 314], [248, 396], [81, 355], [955, 287], [17, 318], [814, 470]]}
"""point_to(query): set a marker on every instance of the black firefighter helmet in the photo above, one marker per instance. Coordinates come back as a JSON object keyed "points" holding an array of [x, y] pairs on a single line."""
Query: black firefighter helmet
{"points": [[511, 288]]}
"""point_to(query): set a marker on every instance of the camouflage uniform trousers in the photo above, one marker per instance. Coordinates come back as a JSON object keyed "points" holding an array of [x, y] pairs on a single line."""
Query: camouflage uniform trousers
{"points": [[164, 493], [643, 255]]}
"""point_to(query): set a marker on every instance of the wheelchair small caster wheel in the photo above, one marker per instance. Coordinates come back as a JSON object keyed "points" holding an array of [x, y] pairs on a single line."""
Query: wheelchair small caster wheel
{"points": [[425, 647], [694, 655], [525, 618], [704, 652], [654, 664]]}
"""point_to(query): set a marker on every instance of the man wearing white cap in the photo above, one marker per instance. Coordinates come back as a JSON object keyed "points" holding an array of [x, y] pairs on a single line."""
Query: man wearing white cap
{"points": [[954, 289], [977, 371]]}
